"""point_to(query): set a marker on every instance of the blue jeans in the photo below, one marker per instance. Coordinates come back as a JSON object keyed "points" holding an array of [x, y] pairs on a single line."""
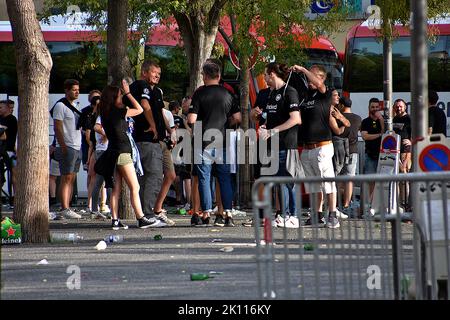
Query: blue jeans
{"points": [[204, 178], [287, 192], [370, 165]]}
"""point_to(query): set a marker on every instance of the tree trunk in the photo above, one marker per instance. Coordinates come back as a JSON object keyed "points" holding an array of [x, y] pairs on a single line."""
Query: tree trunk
{"points": [[198, 31], [245, 169], [119, 68], [34, 64]]}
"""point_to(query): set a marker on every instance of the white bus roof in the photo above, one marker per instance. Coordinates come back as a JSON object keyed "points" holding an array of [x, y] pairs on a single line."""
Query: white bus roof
{"points": [[440, 20], [68, 22]]}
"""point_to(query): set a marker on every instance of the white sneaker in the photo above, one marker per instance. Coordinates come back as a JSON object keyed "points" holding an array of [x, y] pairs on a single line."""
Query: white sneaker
{"points": [[239, 213], [341, 215], [104, 209], [69, 214], [164, 219], [98, 216], [292, 222], [278, 222], [333, 223], [187, 207]]}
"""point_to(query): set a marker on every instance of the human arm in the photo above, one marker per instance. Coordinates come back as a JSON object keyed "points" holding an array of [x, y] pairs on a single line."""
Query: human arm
{"points": [[192, 117], [255, 113], [294, 119], [370, 136], [136, 107], [334, 116], [318, 82], [99, 129], [59, 134], [235, 119]]}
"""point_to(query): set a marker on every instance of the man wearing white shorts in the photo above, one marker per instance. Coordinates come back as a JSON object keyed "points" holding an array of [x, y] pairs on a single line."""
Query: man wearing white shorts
{"points": [[316, 133]]}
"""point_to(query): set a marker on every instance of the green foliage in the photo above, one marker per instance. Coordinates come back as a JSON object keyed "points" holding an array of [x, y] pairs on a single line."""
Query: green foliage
{"points": [[282, 27], [399, 11], [140, 16]]}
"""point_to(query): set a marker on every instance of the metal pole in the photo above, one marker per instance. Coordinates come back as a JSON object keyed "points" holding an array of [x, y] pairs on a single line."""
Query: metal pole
{"points": [[387, 81], [419, 73], [419, 118]]}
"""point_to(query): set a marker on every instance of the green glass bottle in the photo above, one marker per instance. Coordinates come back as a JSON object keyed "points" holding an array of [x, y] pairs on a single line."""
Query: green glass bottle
{"points": [[200, 276]]}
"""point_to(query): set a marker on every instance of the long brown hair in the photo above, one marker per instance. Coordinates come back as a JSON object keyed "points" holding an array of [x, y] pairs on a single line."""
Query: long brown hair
{"points": [[280, 69], [108, 100]]}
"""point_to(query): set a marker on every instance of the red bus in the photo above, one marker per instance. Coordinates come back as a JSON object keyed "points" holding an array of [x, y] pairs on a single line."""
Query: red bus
{"points": [[363, 72], [73, 54]]}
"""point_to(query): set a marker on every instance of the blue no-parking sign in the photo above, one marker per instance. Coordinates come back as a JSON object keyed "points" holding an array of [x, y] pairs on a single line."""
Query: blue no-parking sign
{"points": [[435, 157]]}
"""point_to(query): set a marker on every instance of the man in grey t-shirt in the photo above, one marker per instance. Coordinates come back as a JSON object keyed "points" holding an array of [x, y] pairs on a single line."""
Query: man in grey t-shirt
{"points": [[68, 144]]}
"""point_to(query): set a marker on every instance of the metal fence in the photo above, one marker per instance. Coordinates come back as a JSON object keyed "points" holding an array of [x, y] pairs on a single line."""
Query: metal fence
{"points": [[379, 252]]}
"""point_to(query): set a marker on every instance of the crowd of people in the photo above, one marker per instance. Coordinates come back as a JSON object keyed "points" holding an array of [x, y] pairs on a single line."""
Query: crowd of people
{"points": [[129, 134]]}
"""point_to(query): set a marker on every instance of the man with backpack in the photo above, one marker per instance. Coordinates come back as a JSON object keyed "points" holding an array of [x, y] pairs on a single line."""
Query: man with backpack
{"points": [[68, 144]]}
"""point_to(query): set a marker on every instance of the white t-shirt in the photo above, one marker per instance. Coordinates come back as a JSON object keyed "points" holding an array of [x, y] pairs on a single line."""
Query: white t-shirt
{"points": [[99, 146], [72, 136], [169, 116]]}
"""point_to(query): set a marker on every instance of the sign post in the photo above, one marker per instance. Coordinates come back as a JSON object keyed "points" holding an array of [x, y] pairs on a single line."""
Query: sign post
{"points": [[385, 200], [433, 206]]}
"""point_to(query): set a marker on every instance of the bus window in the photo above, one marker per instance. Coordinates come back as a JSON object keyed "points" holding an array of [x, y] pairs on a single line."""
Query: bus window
{"points": [[364, 69], [8, 75], [78, 60], [71, 60], [330, 61]]}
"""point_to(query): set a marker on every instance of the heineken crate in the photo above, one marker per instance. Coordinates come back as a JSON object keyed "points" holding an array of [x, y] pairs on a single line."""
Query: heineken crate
{"points": [[11, 232]]}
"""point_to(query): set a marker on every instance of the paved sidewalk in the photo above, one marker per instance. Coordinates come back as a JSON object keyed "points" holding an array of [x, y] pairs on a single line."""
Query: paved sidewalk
{"points": [[138, 268]]}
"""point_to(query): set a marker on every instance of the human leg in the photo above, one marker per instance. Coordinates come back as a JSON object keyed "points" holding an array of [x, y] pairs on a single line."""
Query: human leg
{"points": [[150, 183]]}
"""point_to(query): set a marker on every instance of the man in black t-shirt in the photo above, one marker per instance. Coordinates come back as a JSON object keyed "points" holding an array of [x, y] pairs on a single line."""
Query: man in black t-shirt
{"points": [[8, 120], [281, 123], [351, 133], [372, 129], [316, 134], [437, 120], [212, 106], [402, 127], [149, 129]]}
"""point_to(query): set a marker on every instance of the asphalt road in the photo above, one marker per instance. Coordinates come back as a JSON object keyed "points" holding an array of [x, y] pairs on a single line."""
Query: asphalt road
{"points": [[141, 267]]}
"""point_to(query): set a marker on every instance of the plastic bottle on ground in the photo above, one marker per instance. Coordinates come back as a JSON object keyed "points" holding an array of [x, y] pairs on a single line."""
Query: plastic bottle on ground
{"points": [[114, 238], [65, 237]]}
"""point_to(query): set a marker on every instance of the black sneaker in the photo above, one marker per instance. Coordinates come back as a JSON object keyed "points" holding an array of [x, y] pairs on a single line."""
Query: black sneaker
{"points": [[144, 222], [322, 222], [219, 221], [117, 224], [205, 221], [229, 222], [195, 220]]}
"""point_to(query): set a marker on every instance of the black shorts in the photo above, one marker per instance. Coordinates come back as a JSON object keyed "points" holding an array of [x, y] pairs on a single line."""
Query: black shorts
{"points": [[183, 171]]}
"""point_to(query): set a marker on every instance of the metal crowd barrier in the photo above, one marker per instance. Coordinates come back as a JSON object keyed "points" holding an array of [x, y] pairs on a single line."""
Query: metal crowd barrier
{"points": [[382, 252]]}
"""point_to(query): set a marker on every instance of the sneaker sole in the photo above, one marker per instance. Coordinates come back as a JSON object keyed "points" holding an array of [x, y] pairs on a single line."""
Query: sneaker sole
{"points": [[145, 227], [118, 228]]}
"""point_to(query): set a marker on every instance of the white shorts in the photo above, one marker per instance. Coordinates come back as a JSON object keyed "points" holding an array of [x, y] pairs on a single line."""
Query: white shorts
{"points": [[54, 168], [318, 162]]}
